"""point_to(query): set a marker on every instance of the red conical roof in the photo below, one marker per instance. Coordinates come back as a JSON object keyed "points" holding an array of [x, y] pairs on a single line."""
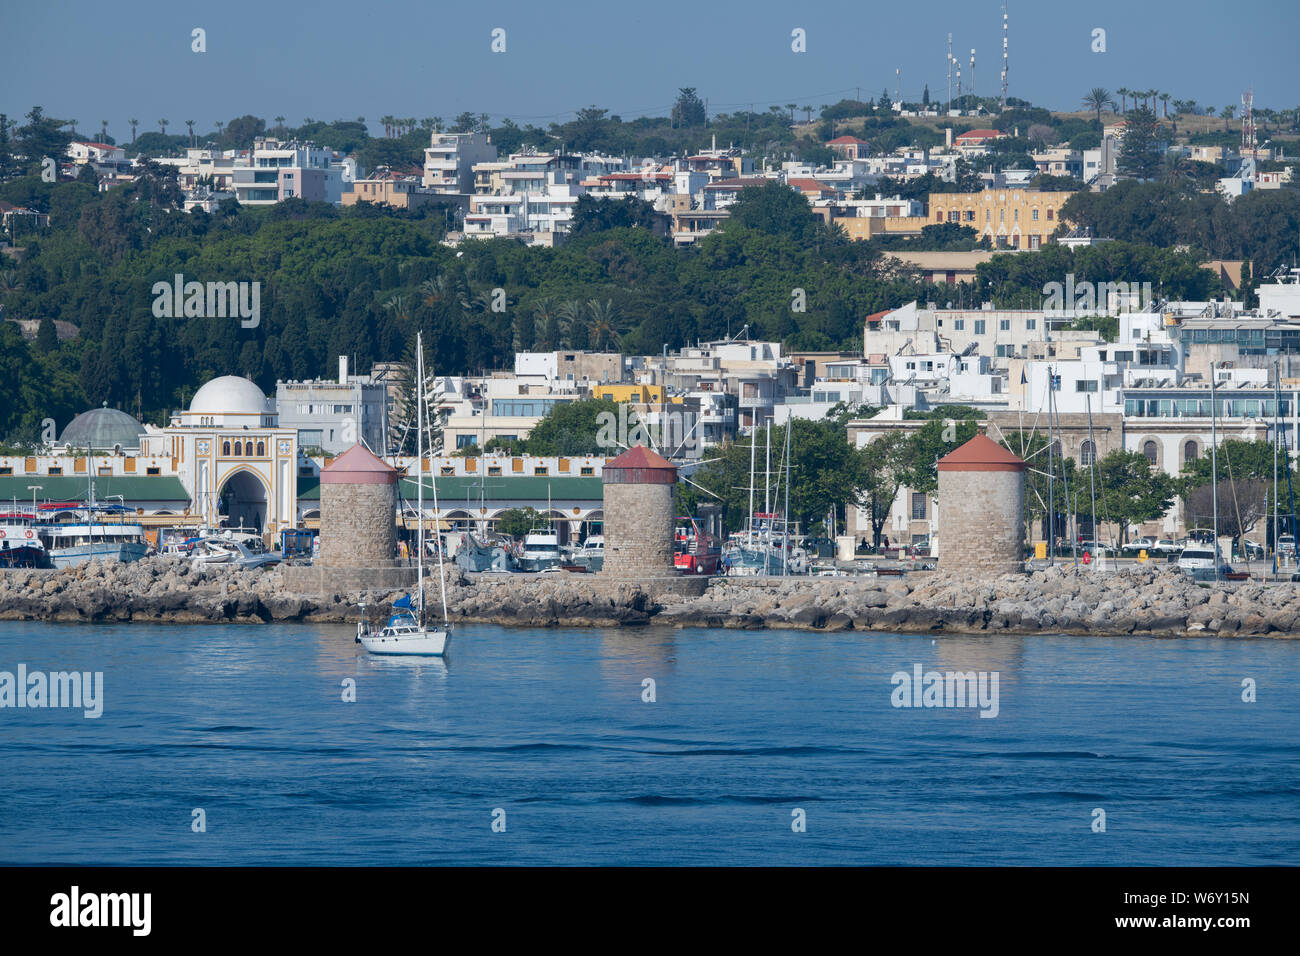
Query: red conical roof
{"points": [[357, 466], [981, 453], [640, 466]]}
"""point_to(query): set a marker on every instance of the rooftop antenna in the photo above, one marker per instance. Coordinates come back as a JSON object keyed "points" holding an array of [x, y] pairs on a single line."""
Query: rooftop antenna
{"points": [[1248, 144], [1004, 57]]}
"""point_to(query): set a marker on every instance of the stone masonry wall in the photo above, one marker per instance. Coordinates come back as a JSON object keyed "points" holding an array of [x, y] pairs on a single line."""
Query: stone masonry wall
{"points": [[981, 521], [638, 530], [358, 526]]}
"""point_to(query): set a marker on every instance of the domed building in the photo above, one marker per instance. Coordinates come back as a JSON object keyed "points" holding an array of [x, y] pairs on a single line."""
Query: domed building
{"points": [[103, 429], [238, 465]]}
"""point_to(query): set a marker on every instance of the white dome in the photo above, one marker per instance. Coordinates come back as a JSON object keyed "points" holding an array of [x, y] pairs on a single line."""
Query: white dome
{"points": [[227, 395]]}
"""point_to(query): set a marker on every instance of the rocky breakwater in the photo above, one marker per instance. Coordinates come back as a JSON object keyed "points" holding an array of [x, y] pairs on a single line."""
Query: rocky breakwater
{"points": [[175, 589], [1157, 601], [152, 589]]}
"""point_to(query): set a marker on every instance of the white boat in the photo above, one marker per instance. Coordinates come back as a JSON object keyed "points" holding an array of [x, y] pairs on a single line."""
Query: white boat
{"points": [[406, 631], [241, 552], [592, 553], [73, 543], [541, 550]]}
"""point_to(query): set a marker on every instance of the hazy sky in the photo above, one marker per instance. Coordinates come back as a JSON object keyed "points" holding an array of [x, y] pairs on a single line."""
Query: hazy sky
{"points": [[329, 59]]}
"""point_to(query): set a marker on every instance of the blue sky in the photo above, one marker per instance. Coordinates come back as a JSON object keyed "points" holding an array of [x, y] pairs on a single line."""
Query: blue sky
{"points": [[329, 59]]}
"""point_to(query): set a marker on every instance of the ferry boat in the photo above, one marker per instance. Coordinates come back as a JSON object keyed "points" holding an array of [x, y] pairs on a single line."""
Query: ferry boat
{"points": [[99, 532]]}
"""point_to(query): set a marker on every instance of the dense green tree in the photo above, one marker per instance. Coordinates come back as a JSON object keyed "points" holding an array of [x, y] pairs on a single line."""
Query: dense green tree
{"points": [[689, 109], [517, 522], [1139, 154]]}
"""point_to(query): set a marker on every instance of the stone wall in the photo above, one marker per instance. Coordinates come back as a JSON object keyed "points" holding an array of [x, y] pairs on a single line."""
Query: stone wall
{"points": [[981, 522], [638, 530], [314, 579], [358, 526]]}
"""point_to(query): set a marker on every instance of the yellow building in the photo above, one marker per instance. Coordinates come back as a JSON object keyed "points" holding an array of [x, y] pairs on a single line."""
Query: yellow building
{"points": [[641, 394], [1010, 218]]}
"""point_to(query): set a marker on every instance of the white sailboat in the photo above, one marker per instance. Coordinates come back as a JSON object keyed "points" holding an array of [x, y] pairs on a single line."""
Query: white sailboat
{"points": [[406, 631]]}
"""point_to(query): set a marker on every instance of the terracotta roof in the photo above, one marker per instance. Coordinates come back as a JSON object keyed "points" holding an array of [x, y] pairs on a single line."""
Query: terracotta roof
{"points": [[877, 316], [807, 184], [981, 134], [981, 453], [639, 456], [81, 142], [846, 140], [357, 466]]}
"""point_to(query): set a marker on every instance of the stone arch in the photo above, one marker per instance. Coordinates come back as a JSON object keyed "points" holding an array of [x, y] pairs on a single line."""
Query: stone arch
{"points": [[244, 499], [1191, 450], [1150, 448]]}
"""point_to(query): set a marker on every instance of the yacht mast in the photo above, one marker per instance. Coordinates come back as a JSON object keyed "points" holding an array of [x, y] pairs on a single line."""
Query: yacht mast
{"points": [[1214, 466], [437, 517], [419, 472]]}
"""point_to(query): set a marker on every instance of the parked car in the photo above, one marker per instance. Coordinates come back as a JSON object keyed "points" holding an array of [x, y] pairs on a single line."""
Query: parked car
{"points": [[1146, 544], [1098, 548], [1165, 546], [1199, 561]]}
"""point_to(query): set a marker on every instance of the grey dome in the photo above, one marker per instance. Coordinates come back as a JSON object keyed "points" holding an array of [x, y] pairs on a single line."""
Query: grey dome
{"points": [[102, 429]]}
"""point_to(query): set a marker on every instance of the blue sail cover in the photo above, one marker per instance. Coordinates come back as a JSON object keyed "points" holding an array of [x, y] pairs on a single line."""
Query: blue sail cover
{"points": [[403, 602]]}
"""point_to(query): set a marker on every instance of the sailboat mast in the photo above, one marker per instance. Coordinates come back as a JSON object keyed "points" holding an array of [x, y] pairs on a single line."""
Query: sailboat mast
{"points": [[785, 548], [1214, 465], [1092, 474], [437, 517], [1277, 505], [750, 517], [767, 497], [419, 471]]}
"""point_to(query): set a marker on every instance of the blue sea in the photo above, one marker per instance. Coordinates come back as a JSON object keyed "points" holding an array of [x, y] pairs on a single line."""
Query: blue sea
{"points": [[541, 747]]}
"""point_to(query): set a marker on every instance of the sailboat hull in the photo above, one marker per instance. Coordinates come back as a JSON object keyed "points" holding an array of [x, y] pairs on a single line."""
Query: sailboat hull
{"points": [[421, 643]]}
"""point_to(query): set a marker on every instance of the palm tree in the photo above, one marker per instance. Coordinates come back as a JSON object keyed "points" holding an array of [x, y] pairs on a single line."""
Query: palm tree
{"points": [[279, 125], [220, 126], [791, 107], [1097, 99], [400, 306], [483, 122], [1124, 93], [546, 323], [807, 112], [1227, 114], [134, 123], [1164, 100], [103, 130], [190, 124], [162, 126], [568, 316], [388, 125], [437, 123], [601, 317]]}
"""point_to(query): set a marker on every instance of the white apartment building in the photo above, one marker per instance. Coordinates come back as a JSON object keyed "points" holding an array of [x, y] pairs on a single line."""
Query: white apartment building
{"points": [[449, 161], [277, 171]]}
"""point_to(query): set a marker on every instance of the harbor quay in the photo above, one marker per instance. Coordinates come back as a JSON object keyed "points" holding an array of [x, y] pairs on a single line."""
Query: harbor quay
{"points": [[1148, 600]]}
